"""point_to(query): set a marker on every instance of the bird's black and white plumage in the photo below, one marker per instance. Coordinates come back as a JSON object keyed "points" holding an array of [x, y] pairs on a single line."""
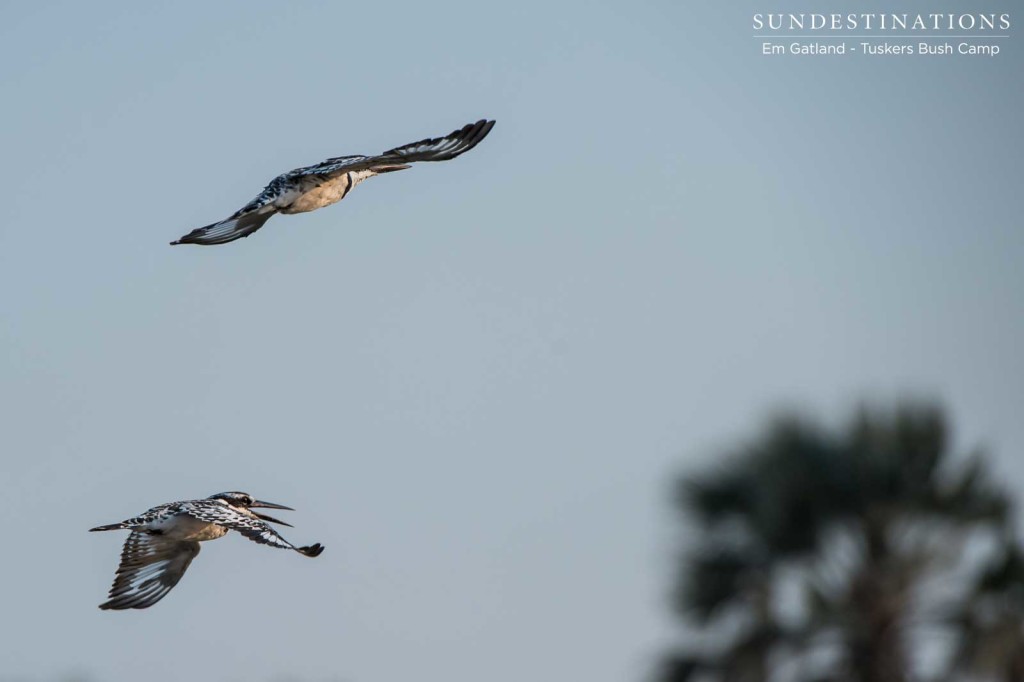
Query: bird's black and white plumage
{"points": [[165, 539], [313, 187]]}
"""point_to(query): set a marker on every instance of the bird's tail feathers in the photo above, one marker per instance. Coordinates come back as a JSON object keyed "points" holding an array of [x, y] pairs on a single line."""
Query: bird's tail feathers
{"points": [[113, 526], [390, 168]]}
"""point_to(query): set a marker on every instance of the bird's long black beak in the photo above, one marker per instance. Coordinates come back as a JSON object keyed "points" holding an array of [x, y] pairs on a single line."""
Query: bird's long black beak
{"points": [[270, 505], [271, 519]]}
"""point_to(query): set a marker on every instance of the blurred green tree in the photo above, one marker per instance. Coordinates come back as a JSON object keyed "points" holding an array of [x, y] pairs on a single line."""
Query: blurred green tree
{"points": [[867, 554]]}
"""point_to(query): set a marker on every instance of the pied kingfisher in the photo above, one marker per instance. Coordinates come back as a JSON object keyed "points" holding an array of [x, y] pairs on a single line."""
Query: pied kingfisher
{"points": [[165, 539], [313, 187]]}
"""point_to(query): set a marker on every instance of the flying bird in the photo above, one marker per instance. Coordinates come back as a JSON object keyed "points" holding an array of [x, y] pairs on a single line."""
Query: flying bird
{"points": [[328, 182], [165, 540]]}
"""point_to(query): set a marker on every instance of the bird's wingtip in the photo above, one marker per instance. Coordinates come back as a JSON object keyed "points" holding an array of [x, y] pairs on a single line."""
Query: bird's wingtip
{"points": [[312, 550]]}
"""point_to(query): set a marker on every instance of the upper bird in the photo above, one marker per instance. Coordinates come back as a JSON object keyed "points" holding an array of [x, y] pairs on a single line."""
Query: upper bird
{"points": [[313, 187], [165, 539]]}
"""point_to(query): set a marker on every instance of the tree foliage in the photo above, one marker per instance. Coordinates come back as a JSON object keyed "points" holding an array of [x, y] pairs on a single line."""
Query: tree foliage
{"points": [[869, 553]]}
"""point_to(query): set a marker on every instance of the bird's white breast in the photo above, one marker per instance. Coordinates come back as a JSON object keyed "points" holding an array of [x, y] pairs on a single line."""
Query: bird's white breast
{"points": [[187, 528], [326, 194], [330, 192]]}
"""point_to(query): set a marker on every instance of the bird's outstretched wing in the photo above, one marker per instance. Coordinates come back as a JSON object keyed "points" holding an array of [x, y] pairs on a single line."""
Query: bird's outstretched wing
{"points": [[442, 148], [252, 528], [150, 566], [431, 149], [241, 224], [280, 191]]}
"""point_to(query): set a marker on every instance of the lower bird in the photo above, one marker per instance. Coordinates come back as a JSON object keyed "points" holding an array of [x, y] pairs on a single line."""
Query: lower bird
{"points": [[165, 539], [325, 183]]}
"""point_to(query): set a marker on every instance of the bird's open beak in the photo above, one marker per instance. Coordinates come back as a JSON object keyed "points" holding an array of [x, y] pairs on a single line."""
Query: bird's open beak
{"points": [[271, 519], [270, 505]]}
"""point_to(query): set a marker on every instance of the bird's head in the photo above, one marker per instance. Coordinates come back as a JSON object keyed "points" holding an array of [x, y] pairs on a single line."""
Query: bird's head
{"points": [[244, 502]]}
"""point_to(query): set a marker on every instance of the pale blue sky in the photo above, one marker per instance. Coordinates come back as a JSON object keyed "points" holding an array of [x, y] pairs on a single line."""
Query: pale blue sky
{"points": [[473, 380]]}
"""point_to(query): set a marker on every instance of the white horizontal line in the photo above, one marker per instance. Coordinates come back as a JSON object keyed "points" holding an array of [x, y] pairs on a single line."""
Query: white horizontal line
{"points": [[879, 35]]}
